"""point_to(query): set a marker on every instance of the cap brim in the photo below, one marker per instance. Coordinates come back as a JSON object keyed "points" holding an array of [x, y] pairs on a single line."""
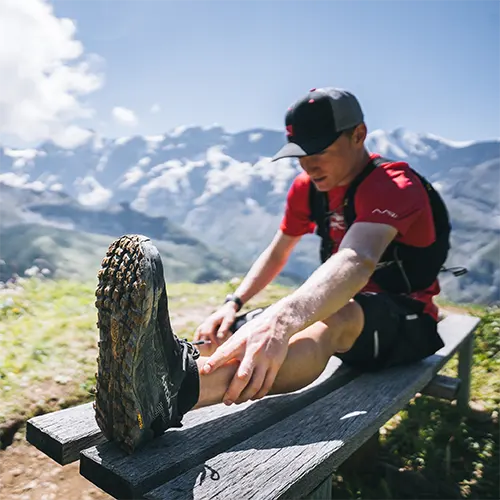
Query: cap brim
{"points": [[290, 150], [293, 150]]}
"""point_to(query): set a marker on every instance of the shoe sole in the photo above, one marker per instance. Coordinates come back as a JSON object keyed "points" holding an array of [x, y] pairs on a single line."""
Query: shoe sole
{"points": [[125, 303]]}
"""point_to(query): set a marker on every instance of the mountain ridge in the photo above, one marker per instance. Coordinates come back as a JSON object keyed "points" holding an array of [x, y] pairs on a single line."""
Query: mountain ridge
{"points": [[71, 239], [223, 189]]}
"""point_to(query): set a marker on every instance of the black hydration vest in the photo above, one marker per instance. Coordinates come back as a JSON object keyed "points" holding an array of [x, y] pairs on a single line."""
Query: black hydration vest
{"points": [[402, 268]]}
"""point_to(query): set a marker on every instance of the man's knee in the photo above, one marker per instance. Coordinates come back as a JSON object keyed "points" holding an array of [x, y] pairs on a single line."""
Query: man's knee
{"points": [[346, 325]]}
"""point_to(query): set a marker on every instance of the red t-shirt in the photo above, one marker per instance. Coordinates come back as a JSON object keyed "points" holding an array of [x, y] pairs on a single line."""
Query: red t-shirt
{"points": [[392, 194]]}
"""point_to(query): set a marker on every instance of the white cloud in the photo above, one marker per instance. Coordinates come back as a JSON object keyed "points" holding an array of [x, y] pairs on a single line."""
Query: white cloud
{"points": [[124, 116], [43, 75], [255, 137], [73, 136], [90, 192], [155, 108]]}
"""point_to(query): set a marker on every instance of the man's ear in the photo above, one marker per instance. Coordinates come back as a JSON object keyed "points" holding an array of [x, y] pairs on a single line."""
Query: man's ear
{"points": [[359, 135]]}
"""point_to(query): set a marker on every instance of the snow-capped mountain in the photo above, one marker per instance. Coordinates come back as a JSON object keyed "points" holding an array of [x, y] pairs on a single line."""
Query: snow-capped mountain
{"points": [[223, 189]]}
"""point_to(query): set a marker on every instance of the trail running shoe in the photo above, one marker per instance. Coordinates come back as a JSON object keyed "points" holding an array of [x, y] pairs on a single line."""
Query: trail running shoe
{"points": [[147, 378]]}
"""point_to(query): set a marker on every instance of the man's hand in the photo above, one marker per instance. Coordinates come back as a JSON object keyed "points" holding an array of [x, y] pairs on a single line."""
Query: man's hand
{"points": [[216, 328], [267, 266], [261, 345]]}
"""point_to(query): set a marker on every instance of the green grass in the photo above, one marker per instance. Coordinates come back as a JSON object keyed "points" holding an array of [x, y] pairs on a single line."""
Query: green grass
{"points": [[48, 339], [48, 350], [47, 345]]}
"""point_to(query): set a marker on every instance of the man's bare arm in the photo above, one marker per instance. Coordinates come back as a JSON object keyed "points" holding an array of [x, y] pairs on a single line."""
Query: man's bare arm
{"points": [[335, 282], [216, 327], [267, 266]]}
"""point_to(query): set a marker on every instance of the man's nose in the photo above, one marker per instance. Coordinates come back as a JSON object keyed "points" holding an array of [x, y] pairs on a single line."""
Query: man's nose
{"points": [[310, 168]]}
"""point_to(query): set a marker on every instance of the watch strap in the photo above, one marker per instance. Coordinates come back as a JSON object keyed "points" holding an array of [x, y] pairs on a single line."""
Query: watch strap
{"points": [[234, 298]]}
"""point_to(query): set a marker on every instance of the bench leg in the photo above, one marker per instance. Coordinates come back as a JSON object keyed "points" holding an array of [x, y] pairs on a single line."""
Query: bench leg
{"points": [[464, 373], [323, 491]]}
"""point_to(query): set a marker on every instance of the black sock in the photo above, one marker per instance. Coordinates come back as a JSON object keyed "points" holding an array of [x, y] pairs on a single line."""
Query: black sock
{"points": [[189, 392]]}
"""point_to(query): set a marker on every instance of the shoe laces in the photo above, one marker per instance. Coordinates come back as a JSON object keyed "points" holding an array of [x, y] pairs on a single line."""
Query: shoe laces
{"points": [[187, 350]]}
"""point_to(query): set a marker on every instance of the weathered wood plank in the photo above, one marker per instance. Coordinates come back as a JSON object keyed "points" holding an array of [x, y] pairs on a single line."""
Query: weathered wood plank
{"points": [[63, 434], [292, 457], [455, 329], [206, 432], [365, 458], [442, 386]]}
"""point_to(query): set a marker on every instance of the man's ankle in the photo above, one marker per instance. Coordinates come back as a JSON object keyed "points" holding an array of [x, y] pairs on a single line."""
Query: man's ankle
{"points": [[214, 385]]}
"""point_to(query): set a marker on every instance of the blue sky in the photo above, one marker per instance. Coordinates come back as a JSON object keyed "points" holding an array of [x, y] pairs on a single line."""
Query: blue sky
{"points": [[429, 66]]}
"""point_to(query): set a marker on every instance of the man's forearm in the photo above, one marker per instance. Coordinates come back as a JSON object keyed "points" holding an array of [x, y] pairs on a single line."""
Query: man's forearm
{"points": [[326, 291], [262, 272]]}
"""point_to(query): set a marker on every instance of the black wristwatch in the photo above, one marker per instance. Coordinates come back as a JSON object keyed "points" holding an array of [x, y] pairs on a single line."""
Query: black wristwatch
{"points": [[233, 298]]}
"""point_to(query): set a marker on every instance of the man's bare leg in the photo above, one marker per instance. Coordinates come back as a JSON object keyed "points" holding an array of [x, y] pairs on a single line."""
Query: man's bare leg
{"points": [[307, 357]]}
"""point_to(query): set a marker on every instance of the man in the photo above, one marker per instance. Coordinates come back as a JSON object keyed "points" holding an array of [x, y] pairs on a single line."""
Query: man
{"points": [[366, 303]]}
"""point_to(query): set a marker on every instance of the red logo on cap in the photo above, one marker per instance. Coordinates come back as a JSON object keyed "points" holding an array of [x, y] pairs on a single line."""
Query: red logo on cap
{"points": [[289, 130]]}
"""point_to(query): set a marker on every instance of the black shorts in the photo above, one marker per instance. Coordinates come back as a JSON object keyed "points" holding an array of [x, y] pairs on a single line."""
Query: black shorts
{"points": [[396, 332]]}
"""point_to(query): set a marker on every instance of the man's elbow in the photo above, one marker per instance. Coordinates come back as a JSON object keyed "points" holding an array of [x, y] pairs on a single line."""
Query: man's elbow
{"points": [[369, 264], [368, 241], [364, 263]]}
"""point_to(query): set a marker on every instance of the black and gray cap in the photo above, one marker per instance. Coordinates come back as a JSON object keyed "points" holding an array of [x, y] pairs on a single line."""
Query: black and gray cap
{"points": [[317, 120]]}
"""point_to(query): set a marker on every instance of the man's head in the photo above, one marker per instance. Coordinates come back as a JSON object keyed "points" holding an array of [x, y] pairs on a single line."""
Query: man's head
{"points": [[326, 132]]}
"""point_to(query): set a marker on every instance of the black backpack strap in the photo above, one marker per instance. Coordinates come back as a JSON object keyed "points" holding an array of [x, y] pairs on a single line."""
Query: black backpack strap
{"points": [[349, 211], [318, 204]]}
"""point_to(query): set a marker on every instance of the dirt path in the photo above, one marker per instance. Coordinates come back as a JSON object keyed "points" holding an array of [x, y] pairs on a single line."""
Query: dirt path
{"points": [[28, 474]]}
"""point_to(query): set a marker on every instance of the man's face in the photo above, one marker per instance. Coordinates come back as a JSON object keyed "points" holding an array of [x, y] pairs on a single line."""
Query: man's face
{"points": [[336, 165]]}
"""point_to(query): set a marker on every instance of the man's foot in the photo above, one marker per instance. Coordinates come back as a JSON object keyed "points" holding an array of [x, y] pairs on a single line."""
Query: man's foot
{"points": [[141, 364]]}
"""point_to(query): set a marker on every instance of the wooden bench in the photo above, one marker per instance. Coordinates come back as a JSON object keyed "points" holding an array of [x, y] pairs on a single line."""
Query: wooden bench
{"points": [[284, 446]]}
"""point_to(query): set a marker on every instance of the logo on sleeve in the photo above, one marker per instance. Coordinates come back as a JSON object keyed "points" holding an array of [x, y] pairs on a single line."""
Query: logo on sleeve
{"points": [[385, 212]]}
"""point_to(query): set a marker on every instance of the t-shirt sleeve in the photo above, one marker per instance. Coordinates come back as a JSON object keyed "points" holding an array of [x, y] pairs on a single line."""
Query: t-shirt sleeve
{"points": [[296, 220], [392, 196]]}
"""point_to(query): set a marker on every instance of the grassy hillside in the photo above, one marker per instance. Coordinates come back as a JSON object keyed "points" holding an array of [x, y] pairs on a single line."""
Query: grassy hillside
{"points": [[48, 349], [48, 338], [77, 255]]}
